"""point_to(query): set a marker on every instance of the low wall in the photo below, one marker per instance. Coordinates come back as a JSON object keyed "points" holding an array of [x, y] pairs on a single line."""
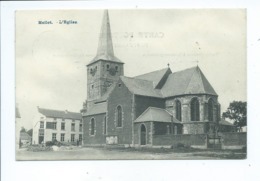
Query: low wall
{"points": [[196, 140], [236, 140]]}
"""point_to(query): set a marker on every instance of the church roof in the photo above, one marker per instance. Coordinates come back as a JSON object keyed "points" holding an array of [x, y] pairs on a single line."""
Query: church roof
{"points": [[141, 87], [60, 114], [98, 108], [156, 115], [155, 76], [189, 81], [105, 45]]}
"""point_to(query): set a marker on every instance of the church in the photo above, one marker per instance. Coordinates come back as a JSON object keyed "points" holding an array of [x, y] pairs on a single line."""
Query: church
{"points": [[155, 108]]}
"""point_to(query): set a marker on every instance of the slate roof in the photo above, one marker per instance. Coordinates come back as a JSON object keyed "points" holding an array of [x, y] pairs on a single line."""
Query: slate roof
{"points": [[189, 81], [141, 87], [60, 114], [98, 108], [156, 115], [155, 76], [105, 45]]}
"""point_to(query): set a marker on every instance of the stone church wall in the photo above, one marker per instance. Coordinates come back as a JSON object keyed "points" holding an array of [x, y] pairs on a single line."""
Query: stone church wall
{"points": [[99, 137], [120, 96]]}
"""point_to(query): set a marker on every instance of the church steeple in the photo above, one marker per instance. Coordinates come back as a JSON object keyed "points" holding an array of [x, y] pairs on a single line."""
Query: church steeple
{"points": [[105, 69], [105, 49]]}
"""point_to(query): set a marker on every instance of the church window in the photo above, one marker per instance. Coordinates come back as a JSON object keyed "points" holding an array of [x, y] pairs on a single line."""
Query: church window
{"points": [[119, 116], [178, 110], [195, 109], [92, 86], [92, 126], [107, 66], [91, 70], [116, 68], [210, 109]]}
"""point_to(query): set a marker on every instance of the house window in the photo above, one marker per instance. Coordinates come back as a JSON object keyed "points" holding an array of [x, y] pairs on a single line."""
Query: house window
{"points": [[178, 110], [42, 125], [54, 125], [92, 126], [195, 109], [62, 126], [62, 137], [72, 137], [54, 136], [105, 125], [210, 109], [80, 127], [80, 137], [72, 126], [119, 116]]}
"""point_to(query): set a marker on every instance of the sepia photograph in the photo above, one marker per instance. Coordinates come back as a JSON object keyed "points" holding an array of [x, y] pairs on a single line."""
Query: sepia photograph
{"points": [[131, 84]]}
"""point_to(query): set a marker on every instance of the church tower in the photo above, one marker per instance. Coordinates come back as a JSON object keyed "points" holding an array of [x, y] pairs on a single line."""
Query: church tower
{"points": [[105, 69]]}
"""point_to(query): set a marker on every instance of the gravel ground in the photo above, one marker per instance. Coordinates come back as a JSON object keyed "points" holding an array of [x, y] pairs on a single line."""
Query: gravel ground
{"points": [[89, 153]]}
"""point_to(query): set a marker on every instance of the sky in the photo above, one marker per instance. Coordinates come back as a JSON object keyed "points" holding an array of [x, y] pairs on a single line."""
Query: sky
{"points": [[51, 59]]}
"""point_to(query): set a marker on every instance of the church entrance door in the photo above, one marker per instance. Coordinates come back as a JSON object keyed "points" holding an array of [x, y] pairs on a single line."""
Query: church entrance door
{"points": [[143, 135]]}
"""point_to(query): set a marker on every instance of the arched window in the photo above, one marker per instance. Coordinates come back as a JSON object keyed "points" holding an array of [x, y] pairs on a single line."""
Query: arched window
{"points": [[92, 126], [210, 109], [178, 110], [119, 116], [195, 109]]}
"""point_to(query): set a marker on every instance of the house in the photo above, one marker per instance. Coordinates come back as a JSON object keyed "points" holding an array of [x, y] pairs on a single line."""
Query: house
{"points": [[134, 110], [62, 126], [26, 139]]}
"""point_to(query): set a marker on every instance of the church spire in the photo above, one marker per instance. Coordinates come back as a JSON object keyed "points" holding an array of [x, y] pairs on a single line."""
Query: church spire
{"points": [[105, 45]]}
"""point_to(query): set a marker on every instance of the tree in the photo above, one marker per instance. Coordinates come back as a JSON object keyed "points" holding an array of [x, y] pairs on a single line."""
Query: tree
{"points": [[237, 112]]}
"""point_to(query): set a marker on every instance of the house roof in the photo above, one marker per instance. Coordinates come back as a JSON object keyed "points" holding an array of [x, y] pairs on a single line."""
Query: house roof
{"points": [[141, 87], [59, 114], [155, 76], [156, 115], [25, 136], [98, 108], [105, 46], [189, 81]]}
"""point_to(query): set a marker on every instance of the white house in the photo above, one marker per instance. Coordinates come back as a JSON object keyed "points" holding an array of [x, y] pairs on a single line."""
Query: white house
{"points": [[63, 126]]}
